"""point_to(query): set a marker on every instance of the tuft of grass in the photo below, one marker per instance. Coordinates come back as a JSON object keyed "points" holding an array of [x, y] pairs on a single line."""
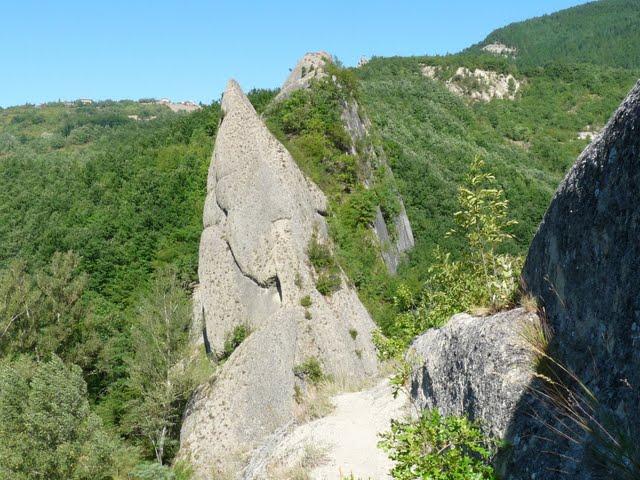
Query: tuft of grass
{"points": [[354, 333], [233, 341], [581, 416], [529, 303], [328, 283], [306, 301]]}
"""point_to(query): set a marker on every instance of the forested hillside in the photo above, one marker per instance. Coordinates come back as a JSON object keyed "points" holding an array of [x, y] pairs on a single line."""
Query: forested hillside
{"points": [[605, 32], [100, 211], [432, 135]]}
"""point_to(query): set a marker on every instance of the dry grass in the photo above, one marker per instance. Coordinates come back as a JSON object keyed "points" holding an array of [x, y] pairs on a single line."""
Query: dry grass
{"points": [[312, 456], [529, 303], [573, 412], [313, 401]]}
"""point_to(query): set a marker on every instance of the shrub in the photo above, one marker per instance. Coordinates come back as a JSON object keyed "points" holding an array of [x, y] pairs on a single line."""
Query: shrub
{"points": [[309, 370], [319, 254], [439, 448], [156, 471], [306, 301], [233, 340], [47, 430], [354, 333], [328, 283]]}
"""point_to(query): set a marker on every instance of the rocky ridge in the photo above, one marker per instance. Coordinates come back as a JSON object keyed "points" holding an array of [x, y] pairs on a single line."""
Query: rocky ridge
{"points": [[395, 235], [260, 215], [308, 68]]}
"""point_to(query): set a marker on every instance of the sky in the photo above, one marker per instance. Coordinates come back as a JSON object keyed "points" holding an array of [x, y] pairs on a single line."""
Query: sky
{"points": [[186, 50]]}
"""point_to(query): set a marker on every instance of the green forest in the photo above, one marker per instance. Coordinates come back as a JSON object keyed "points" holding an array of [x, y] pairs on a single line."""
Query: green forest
{"points": [[601, 33], [101, 215]]}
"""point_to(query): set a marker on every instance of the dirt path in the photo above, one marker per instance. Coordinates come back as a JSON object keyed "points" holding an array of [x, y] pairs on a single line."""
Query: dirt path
{"points": [[343, 443], [351, 434]]}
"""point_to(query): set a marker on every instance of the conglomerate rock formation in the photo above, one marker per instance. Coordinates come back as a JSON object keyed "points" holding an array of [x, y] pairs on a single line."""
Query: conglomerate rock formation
{"points": [[578, 417], [394, 234], [260, 216], [584, 266], [474, 366], [308, 68]]}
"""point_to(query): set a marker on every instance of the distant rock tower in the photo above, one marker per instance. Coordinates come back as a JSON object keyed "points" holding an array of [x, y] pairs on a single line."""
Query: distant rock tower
{"points": [[394, 235]]}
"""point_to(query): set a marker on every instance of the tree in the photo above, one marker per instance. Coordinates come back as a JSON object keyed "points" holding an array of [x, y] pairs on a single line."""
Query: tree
{"points": [[483, 219], [42, 313], [47, 430], [161, 373]]}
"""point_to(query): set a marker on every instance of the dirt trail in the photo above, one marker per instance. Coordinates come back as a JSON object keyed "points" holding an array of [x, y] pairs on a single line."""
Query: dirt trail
{"points": [[347, 437], [351, 433]]}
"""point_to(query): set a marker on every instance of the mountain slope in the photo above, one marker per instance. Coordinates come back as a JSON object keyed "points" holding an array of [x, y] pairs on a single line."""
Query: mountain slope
{"points": [[606, 32], [432, 135]]}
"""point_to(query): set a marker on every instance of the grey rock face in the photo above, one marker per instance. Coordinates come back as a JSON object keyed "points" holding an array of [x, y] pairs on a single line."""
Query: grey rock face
{"points": [[260, 214], [584, 266], [474, 366], [310, 67], [402, 241]]}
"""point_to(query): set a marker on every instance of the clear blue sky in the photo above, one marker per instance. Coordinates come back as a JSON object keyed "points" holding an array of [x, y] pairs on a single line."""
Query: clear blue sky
{"points": [[186, 50]]}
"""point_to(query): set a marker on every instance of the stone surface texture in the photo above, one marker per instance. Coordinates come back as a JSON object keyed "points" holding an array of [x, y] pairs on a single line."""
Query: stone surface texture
{"points": [[260, 214], [474, 366], [309, 67], [347, 439], [584, 266]]}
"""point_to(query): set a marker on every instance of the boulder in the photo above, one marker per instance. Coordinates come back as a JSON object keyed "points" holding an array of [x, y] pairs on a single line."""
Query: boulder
{"points": [[260, 215], [474, 366], [584, 267]]}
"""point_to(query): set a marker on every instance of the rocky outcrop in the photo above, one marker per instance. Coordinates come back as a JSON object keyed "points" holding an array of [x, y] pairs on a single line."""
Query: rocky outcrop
{"points": [[393, 245], [308, 68], [583, 266], [259, 217], [477, 84], [474, 366], [394, 235], [500, 49]]}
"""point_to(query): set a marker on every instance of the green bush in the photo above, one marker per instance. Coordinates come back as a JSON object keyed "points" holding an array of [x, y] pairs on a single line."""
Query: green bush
{"points": [[155, 471], [306, 301], [310, 370], [438, 448], [320, 255], [481, 278], [233, 340], [47, 430], [328, 283]]}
